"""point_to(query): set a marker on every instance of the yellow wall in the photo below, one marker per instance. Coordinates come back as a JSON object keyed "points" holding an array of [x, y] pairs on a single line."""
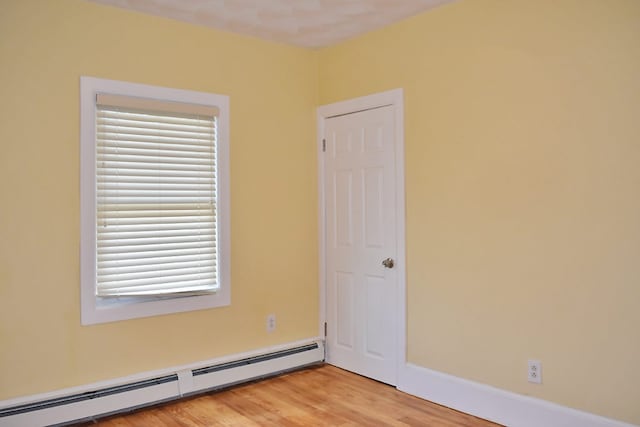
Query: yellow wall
{"points": [[45, 46], [523, 190]]}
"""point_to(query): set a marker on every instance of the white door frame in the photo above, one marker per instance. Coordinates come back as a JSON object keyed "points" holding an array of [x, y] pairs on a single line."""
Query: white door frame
{"points": [[393, 98]]}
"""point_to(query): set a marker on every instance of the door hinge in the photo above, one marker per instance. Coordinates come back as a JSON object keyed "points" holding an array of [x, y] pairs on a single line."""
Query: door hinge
{"points": [[324, 145], [325, 329]]}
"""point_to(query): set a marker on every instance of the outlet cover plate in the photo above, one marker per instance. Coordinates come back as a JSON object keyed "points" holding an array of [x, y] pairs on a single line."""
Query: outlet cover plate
{"points": [[534, 373], [271, 323]]}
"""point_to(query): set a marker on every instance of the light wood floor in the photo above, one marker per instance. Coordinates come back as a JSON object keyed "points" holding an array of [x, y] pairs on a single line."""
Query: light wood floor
{"points": [[318, 396]]}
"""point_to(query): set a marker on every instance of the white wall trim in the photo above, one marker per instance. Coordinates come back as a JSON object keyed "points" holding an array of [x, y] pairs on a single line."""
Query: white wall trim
{"points": [[394, 98], [501, 406], [322, 264]]}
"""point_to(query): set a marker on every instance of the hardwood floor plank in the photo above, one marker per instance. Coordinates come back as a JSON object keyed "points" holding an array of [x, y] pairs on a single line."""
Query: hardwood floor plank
{"points": [[317, 396]]}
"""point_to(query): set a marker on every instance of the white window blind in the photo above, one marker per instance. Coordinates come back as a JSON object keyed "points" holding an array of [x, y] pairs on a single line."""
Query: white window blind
{"points": [[156, 197]]}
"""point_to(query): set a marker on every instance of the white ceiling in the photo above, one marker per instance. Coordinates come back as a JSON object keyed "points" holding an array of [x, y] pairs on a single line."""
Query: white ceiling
{"points": [[306, 23]]}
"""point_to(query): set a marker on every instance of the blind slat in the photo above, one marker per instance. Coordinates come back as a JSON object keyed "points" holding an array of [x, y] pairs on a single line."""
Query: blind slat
{"points": [[158, 281], [152, 159], [118, 193], [154, 145], [107, 264], [170, 150], [153, 222], [152, 211], [108, 256], [162, 289], [141, 165], [157, 239], [118, 237], [147, 275], [117, 227], [130, 120]]}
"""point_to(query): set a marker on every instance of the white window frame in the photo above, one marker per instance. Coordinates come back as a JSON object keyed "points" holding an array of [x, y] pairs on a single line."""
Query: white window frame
{"points": [[96, 310]]}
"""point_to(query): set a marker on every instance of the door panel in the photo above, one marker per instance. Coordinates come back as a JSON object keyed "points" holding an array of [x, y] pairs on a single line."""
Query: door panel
{"points": [[343, 191], [375, 289], [360, 214], [373, 207], [344, 320]]}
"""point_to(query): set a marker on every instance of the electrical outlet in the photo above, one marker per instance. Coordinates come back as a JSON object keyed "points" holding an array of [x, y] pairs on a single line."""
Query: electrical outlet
{"points": [[534, 374], [271, 323]]}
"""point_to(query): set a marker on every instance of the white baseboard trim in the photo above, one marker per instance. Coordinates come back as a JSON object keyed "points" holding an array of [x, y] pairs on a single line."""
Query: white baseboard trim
{"points": [[490, 403], [112, 396]]}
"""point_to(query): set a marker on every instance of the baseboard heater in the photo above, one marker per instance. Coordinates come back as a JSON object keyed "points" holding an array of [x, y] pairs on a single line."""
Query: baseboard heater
{"points": [[94, 403]]}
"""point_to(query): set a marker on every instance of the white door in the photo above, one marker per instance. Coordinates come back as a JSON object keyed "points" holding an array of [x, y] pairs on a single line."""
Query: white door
{"points": [[360, 209]]}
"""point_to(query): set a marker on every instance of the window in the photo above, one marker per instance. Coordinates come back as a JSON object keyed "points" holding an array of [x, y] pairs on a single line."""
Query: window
{"points": [[154, 200]]}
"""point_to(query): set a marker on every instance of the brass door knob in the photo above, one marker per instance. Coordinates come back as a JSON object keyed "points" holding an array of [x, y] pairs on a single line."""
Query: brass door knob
{"points": [[388, 263]]}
